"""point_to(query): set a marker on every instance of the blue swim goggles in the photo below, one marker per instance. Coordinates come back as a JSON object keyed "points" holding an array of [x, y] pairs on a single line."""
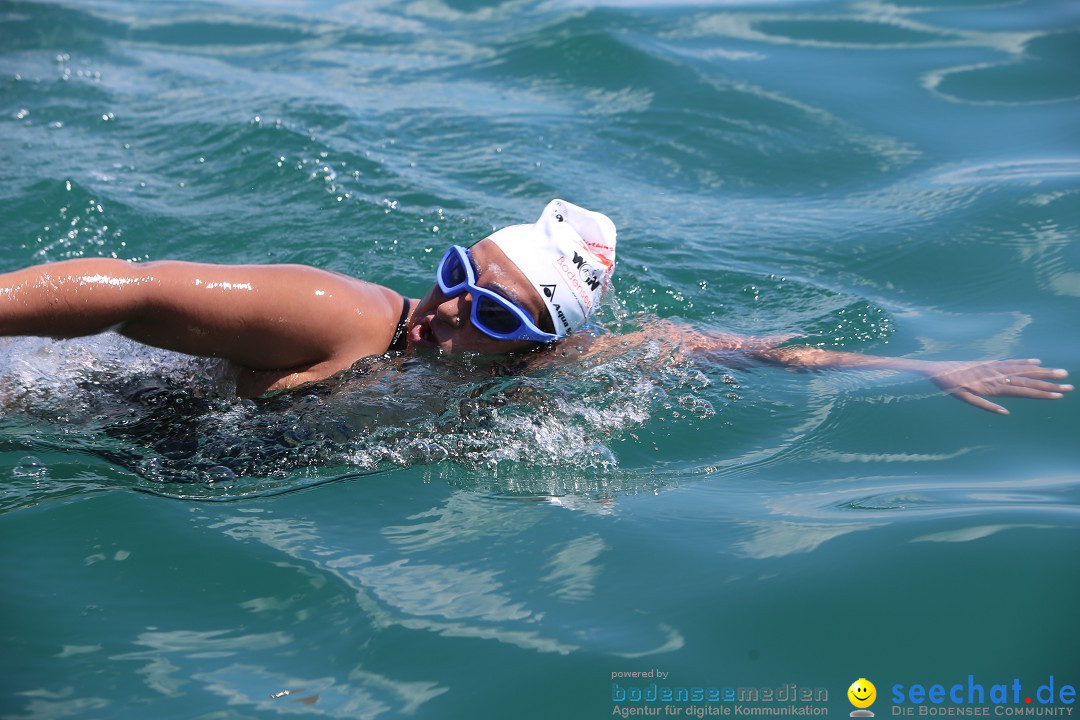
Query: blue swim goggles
{"points": [[492, 314]]}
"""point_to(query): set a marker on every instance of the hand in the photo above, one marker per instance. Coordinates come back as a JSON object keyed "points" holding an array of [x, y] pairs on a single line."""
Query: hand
{"points": [[970, 381]]}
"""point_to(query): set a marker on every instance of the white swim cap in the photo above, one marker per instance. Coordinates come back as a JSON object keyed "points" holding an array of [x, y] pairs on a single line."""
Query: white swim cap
{"points": [[568, 255]]}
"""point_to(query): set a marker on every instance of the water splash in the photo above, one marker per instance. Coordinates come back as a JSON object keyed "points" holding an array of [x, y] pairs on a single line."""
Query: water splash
{"points": [[174, 421]]}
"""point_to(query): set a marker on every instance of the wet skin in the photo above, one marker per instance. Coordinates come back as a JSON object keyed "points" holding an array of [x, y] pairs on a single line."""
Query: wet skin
{"points": [[286, 325], [445, 323], [280, 325]]}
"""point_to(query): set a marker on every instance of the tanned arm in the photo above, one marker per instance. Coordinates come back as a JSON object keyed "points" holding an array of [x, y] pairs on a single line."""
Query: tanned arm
{"points": [[971, 382], [283, 324]]}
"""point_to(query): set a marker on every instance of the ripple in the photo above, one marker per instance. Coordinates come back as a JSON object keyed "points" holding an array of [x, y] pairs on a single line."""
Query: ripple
{"points": [[1043, 73], [873, 29], [803, 520], [583, 69], [849, 32], [977, 532], [945, 4], [1016, 171], [514, 600], [206, 32]]}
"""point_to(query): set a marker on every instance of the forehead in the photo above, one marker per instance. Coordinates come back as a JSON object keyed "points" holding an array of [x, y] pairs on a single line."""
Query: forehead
{"points": [[496, 271]]}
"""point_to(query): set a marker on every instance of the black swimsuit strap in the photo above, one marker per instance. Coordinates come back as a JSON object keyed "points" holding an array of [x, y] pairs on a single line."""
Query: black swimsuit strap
{"points": [[399, 341]]}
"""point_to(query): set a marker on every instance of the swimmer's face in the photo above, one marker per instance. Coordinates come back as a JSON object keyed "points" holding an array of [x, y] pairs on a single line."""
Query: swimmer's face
{"points": [[445, 323]]}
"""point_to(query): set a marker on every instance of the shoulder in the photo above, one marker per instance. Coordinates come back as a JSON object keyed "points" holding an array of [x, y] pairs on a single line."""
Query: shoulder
{"points": [[348, 317], [361, 315]]}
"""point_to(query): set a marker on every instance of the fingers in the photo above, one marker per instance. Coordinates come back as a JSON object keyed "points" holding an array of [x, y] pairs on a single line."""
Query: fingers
{"points": [[973, 399], [1018, 387], [1005, 378], [1035, 372], [1025, 392], [1023, 367], [1019, 381], [1029, 375]]}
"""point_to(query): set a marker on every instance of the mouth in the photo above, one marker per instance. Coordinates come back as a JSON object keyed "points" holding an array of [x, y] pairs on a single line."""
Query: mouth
{"points": [[421, 334]]}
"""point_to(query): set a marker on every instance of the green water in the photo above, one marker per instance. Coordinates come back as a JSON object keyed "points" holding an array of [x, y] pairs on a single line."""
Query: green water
{"points": [[422, 539]]}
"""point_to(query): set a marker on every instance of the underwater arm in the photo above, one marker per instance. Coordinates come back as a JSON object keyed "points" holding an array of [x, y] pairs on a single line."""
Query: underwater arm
{"points": [[263, 317], [971, 382]]}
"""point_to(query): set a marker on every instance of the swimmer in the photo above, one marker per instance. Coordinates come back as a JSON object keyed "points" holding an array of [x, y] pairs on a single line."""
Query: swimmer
{"points": [[522, 289]]}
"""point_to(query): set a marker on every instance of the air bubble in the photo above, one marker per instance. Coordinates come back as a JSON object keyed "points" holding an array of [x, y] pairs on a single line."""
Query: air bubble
{"points": [[219, 473], [29, 466]]}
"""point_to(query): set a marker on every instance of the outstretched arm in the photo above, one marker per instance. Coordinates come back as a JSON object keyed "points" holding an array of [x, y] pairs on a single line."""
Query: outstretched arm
{"points": [[262, 317], [971, 382]]}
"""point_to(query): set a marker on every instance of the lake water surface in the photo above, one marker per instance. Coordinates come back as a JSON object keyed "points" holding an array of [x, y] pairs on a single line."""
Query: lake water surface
{"points": [[422, 538]]}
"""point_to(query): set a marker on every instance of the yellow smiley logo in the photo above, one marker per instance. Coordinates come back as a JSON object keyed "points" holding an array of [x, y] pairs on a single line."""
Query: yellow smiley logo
{"points": [[862, 693]]}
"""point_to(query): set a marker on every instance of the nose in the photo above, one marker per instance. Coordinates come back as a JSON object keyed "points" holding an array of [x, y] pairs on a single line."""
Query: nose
{"points": [[454, 310]]}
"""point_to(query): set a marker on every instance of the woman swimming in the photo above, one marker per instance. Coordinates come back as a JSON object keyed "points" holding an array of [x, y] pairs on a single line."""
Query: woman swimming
{"points": [[523, 288]]}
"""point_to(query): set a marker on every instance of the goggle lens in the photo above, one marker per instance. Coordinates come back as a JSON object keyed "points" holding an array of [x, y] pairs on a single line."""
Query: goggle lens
{"points": [[453, 272], [492, 315]]}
